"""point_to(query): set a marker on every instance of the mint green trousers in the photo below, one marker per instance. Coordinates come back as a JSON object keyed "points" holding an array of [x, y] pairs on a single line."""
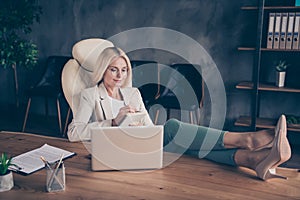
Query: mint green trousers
{"points": [[199, 141]]}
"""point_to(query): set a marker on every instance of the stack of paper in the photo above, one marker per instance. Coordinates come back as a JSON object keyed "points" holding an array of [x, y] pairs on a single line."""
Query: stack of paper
{"points": [[30, 162]]}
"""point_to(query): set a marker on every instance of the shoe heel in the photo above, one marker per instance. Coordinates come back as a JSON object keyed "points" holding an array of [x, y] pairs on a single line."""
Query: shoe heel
{"points": [[269, 175], [279, 153], [273, 170]]}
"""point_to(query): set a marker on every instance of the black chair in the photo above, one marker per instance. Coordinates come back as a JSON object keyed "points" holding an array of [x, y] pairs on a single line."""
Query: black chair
{"points": [[49, 87], [145, 76], [182, 88]]}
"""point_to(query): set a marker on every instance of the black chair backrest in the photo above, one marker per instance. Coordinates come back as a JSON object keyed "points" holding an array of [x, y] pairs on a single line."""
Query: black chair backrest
{"points": [[145, 77], [174, 79], [52, 75]]}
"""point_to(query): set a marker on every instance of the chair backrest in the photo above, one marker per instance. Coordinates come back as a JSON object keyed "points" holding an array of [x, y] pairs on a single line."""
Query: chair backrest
{"points": [[77, 72], [174, 83], [51, 76], [145, 76]]}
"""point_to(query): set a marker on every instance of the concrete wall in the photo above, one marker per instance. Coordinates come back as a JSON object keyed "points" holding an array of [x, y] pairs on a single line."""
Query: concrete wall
{"points": [[219, 26]]}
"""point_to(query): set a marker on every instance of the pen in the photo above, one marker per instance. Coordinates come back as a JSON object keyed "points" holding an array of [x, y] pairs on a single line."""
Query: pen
{"points": [[55, 172], [46, 162], [52, 173]]}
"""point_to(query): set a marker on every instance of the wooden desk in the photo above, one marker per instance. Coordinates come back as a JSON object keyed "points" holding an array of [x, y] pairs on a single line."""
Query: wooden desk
{"points": [[187, 178]]}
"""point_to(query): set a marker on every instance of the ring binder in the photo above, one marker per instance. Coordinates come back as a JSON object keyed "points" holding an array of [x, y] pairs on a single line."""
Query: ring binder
{"points": [[277, 30], [289, 34], [295, 44], [271, 31], [282, 42]]}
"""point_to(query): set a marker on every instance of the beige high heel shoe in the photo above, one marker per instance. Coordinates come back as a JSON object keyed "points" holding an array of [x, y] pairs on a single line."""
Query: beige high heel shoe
{"points": [[280, 153], [270, 144]]}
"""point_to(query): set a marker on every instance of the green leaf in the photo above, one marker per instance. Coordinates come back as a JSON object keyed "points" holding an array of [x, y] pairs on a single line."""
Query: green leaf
{"points": [[281, 65], [16, 18], [5, 163]]}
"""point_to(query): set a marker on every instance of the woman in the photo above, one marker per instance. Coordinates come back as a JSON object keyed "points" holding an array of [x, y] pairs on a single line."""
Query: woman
{"points": [[112, 98]]}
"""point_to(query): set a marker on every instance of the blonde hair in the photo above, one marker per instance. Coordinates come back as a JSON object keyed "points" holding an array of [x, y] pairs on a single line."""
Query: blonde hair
{"points": [[105, 59]]}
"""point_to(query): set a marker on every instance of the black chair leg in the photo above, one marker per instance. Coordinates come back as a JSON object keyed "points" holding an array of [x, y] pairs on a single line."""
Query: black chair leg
{"points": [[168, 113], [59, 115], [156, 116], [191, 117], [26, 114], [67, 120], [46, 107], [198, 116]]}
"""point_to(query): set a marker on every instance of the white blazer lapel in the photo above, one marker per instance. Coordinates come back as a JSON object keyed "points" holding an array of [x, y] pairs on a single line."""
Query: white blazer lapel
{"points": [[105, 102], [126, 96]]}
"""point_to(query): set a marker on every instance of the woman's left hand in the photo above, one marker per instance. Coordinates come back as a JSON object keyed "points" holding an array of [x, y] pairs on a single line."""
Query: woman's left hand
{"points": [[122, 113], [136, 124]]}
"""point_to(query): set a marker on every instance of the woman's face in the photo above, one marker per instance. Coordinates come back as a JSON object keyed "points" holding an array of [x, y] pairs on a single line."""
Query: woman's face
{"points": [[116, 73]]}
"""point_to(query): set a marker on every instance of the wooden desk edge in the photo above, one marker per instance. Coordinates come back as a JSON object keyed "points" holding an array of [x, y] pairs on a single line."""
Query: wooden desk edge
{"points": [[34, 135]]}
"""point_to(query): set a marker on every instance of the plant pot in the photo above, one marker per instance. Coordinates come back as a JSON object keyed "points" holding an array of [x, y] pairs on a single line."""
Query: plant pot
{"points": [[280, 79], [6, 182]]}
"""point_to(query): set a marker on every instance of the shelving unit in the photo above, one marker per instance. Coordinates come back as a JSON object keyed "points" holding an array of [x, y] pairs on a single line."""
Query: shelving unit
{"points": [[264, 123], [257, 86], [265, 49], [266, 87], [269, 7]]}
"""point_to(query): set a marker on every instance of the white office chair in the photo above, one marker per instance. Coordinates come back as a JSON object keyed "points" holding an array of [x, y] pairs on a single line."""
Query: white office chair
{"points": [[77, 71]]}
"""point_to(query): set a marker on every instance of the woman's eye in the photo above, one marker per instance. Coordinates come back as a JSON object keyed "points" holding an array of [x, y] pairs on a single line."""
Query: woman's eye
{"points": [[113, 70]]}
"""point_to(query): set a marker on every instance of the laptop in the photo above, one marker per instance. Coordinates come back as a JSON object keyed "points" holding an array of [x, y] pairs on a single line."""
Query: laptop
{"points": [[127, 148]]}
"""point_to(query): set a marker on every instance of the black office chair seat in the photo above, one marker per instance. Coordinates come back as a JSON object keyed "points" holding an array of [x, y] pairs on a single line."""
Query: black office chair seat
{"points": [[172, 102], [49, 87], [45, 91], [183, 90]]}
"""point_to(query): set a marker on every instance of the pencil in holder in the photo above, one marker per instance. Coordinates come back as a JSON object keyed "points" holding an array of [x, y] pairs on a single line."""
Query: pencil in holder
{"points": [[55, 179]]}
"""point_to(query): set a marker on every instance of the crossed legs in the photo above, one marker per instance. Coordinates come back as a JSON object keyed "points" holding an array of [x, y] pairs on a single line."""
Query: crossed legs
{"points": [[260, 151]]}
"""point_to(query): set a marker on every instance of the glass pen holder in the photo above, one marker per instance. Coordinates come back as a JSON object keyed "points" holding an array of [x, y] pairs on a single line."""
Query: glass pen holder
{"points": [[55, 179]]}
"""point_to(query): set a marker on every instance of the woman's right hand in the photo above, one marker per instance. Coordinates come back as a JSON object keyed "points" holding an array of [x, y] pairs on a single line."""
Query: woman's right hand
{"points": [[122, 113]]}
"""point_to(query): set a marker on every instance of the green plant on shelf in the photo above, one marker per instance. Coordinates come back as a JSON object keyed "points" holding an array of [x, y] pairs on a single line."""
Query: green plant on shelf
{"points": [[292, 119], [281, 66]]}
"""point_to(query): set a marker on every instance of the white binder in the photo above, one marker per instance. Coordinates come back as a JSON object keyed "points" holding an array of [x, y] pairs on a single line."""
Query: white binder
{"points": [[282, 41], [277, 31], [295, 44], [271, 30], [289, 33]]}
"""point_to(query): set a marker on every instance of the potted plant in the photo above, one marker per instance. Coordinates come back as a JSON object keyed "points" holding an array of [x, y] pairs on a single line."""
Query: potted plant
{"points": [[281, 67], [16, 17], [6, 176]]}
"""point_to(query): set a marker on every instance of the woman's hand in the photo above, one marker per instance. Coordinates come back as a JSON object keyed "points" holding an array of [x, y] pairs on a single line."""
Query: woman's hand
{"points": [[123, 111], [136, 124]]}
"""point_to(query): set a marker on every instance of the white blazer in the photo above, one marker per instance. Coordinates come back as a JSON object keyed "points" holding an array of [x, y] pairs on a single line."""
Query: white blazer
{"points": [[95, 110]]}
